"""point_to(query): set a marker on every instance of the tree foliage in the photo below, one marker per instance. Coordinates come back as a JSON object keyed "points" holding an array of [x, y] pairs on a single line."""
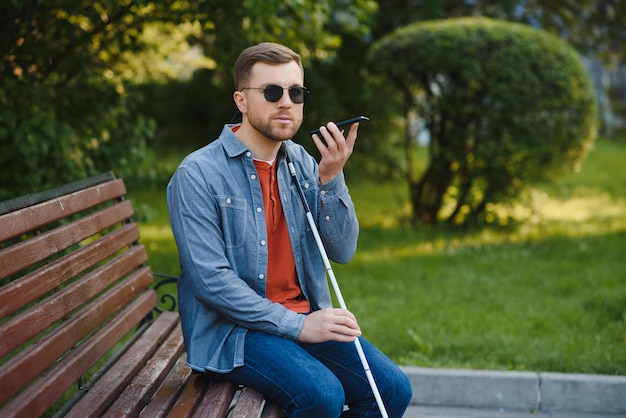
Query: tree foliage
{"points": [[90, 86], [61, 116], [504, 104], [69, 105], [594, 27]]}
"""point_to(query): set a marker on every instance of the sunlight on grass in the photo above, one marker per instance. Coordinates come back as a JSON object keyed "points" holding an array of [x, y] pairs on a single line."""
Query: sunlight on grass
{"points": [[593, 215], [589, 205], [153, 234]]}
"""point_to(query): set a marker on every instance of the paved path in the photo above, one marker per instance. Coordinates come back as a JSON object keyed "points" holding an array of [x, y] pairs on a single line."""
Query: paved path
{"points": [[460, 393], [443, 412]]}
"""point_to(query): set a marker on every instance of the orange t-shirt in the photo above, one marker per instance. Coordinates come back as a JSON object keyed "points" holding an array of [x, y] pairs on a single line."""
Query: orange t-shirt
{"points": [[282, 281]]}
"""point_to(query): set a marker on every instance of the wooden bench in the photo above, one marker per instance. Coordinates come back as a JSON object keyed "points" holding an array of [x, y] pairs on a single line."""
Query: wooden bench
{"points": [[80, 331]]}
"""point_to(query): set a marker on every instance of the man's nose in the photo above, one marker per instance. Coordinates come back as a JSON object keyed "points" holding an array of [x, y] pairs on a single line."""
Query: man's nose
{"points": [[285, 99]]}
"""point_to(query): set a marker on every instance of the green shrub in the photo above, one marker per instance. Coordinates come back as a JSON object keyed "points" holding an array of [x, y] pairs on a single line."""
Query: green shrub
{"points": [[505, 104], [51, 134]]}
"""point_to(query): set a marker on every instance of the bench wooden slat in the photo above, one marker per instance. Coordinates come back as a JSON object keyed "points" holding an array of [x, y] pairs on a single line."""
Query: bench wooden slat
{"points": [[204, 397], [191, 395], [218, 398], [24, 290], [101, 395], [169, 391], [28, 219], [32, 199], [145, 384], [26, 325], [271, 410], [27, 253], [249, 400], [49, 386], [20, 370]]}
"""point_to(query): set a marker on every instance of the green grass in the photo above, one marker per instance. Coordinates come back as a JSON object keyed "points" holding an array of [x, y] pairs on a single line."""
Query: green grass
{"points": [[547, 294]]}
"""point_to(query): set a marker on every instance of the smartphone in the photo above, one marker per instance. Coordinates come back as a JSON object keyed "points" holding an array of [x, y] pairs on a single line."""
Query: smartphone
{"points": [[345, 123]]}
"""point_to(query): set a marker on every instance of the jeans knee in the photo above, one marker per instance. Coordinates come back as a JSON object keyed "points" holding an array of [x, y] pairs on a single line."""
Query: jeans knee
{"points": [[406, 391], [399, 395], [321, 399]]}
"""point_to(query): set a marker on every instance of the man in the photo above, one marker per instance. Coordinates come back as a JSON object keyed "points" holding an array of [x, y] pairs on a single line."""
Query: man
{"points": [[254, 300]]}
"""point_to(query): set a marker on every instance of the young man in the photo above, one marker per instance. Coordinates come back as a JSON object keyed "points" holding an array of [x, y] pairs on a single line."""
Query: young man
{"points": [[254, 300]]}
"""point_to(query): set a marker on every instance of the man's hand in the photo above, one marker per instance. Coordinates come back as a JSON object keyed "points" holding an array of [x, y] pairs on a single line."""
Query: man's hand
{"points": [[334, 149], [329, 324]]}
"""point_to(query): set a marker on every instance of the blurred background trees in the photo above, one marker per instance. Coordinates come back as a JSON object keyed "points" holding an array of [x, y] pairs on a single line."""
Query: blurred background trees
{"points": [[92, 86]]}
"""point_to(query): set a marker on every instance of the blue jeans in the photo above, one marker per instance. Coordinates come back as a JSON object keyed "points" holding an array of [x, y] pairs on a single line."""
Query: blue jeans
{"points": [[317, 380]]}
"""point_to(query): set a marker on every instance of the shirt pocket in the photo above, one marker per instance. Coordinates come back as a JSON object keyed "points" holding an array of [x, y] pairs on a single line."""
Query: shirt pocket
{"points": [[234, 214]]}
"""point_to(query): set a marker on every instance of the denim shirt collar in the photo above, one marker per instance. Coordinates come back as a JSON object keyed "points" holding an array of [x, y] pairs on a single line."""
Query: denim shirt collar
{"points": [[232, 145]]}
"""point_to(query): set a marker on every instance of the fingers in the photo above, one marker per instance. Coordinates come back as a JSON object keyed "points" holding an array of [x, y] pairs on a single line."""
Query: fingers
{"points": [[333, 139], [330, 324], [342, 323], [338, 325], [334, 148]]}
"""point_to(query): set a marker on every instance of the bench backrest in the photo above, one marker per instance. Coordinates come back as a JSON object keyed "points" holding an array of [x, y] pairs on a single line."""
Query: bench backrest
{"points": [[73, 285]]}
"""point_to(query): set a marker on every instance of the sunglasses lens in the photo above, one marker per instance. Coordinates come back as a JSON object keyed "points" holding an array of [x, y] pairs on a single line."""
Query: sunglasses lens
{"points": [[273, 93], [297, 94]]}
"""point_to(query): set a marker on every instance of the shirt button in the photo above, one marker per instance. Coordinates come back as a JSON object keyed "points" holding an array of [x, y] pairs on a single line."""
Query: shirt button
{"points": [[248, 154], [261, 276], [253, 177], [323, 192], [327, 218], [259, 210], [228, 201], [306, 185], [262, 242]]}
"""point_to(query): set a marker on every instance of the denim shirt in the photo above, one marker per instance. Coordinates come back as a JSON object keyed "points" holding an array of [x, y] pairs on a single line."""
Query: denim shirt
{"points": [[216, 212]]}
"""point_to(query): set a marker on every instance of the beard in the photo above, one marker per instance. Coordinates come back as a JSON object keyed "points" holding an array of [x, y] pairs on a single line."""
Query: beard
{"points": [[268, 127]]}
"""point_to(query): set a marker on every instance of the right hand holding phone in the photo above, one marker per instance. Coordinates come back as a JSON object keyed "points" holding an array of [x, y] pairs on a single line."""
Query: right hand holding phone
{"points": [[335, 149]]}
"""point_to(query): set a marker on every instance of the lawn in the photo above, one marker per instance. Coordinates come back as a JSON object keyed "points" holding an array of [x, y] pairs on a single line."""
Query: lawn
{"points": [[547, 294]]}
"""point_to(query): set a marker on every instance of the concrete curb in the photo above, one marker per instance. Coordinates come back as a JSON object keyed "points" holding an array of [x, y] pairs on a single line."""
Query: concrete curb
{"points": [[518, 391]]}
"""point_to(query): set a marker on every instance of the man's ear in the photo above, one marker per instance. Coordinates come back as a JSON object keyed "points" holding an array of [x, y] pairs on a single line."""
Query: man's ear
{"points": [[240, 101]]}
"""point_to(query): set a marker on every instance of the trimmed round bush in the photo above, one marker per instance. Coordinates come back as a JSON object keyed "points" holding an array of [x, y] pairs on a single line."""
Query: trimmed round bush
{"points": [[505, 104]]}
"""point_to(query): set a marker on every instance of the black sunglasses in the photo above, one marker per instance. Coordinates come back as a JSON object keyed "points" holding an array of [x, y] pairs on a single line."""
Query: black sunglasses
{"points": [[273, 93]]}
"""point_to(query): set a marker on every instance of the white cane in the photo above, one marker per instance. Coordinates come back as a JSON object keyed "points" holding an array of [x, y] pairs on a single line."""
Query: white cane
{"points": [[333, 280]]}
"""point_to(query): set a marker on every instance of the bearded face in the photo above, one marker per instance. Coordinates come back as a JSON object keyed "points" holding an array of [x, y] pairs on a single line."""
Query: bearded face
{"points": [[275, 120], [279, 126]]}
